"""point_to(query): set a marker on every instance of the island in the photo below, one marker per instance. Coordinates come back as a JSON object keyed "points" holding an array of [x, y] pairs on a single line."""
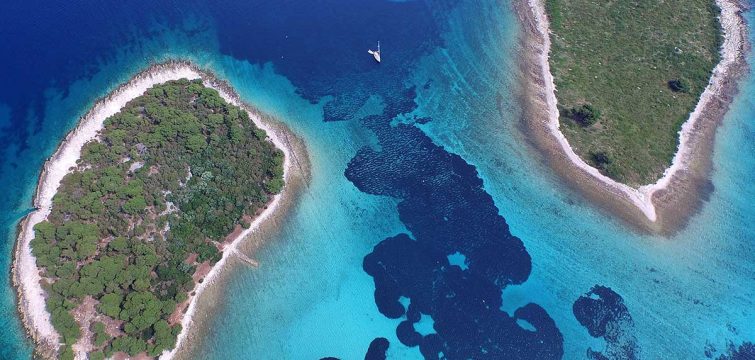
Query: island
{"points": [[623, 98], [138, 209], [628, 75]]}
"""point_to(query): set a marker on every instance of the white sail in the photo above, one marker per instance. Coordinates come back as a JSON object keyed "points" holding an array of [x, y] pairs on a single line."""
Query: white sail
{"points": [[375, 53]]}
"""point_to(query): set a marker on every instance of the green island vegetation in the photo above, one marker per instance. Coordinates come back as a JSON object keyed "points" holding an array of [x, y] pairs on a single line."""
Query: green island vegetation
{"points": [[168, 179], [628, 74]]}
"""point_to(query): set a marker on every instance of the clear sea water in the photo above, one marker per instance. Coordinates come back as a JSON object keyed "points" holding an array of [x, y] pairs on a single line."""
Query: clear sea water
{"points": [[442, 107]]}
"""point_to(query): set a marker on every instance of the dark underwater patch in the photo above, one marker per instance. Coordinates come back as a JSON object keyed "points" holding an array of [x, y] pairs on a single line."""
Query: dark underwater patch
{"points": [[603, 313], [377, 349], [444, 206], [443, 203], [745, 351]]}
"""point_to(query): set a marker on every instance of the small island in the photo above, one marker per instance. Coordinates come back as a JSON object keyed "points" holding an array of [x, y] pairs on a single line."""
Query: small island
{"points": [[144, 214], [623, 98], [157, 185], [628, 75]]}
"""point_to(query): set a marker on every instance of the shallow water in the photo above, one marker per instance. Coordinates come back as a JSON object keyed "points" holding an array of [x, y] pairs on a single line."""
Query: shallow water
{"points": [[306, 64]]}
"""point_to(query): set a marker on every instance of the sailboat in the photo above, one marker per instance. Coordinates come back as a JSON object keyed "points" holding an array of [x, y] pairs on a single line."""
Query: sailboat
{"points": [[375, 53]]}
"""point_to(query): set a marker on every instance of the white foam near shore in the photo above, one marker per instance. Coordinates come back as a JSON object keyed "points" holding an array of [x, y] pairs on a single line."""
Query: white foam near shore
{"points": [[642, 197], [26, 274]]}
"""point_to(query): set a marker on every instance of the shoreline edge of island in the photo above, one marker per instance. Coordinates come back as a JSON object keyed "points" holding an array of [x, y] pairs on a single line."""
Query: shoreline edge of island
{"points": [[666, 205], [25, 273]]}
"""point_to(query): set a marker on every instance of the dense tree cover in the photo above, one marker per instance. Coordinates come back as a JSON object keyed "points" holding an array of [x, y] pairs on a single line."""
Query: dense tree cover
{"points": [[170, 175]]}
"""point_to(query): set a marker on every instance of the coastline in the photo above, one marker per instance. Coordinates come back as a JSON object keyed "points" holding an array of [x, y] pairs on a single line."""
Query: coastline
{"points": [[25, 274], [295, 165], [207, 306], [666, 205]]}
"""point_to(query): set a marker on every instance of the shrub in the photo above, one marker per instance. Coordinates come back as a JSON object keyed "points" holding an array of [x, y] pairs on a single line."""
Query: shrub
{"points": [[65, 324], [601, 159], [100, 336], [67, 353], [585, 114], [604, 163], [679, 85], [110, 304], [274, 186]]}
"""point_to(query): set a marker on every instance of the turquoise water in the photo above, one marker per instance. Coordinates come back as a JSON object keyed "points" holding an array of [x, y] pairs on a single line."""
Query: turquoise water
{"points": [[311, 298], [688, 291]]}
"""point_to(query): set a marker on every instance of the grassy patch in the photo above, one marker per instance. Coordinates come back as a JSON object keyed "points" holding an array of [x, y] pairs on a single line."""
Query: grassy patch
{"points": [[642, 65]]}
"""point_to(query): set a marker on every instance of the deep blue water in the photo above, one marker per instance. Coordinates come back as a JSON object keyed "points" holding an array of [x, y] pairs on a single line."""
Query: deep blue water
{"points": [[429, 225]]}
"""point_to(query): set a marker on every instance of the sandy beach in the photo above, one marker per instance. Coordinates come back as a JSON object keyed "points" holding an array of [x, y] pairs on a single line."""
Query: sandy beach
{"points": [[26, 275], [667, 204]]}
